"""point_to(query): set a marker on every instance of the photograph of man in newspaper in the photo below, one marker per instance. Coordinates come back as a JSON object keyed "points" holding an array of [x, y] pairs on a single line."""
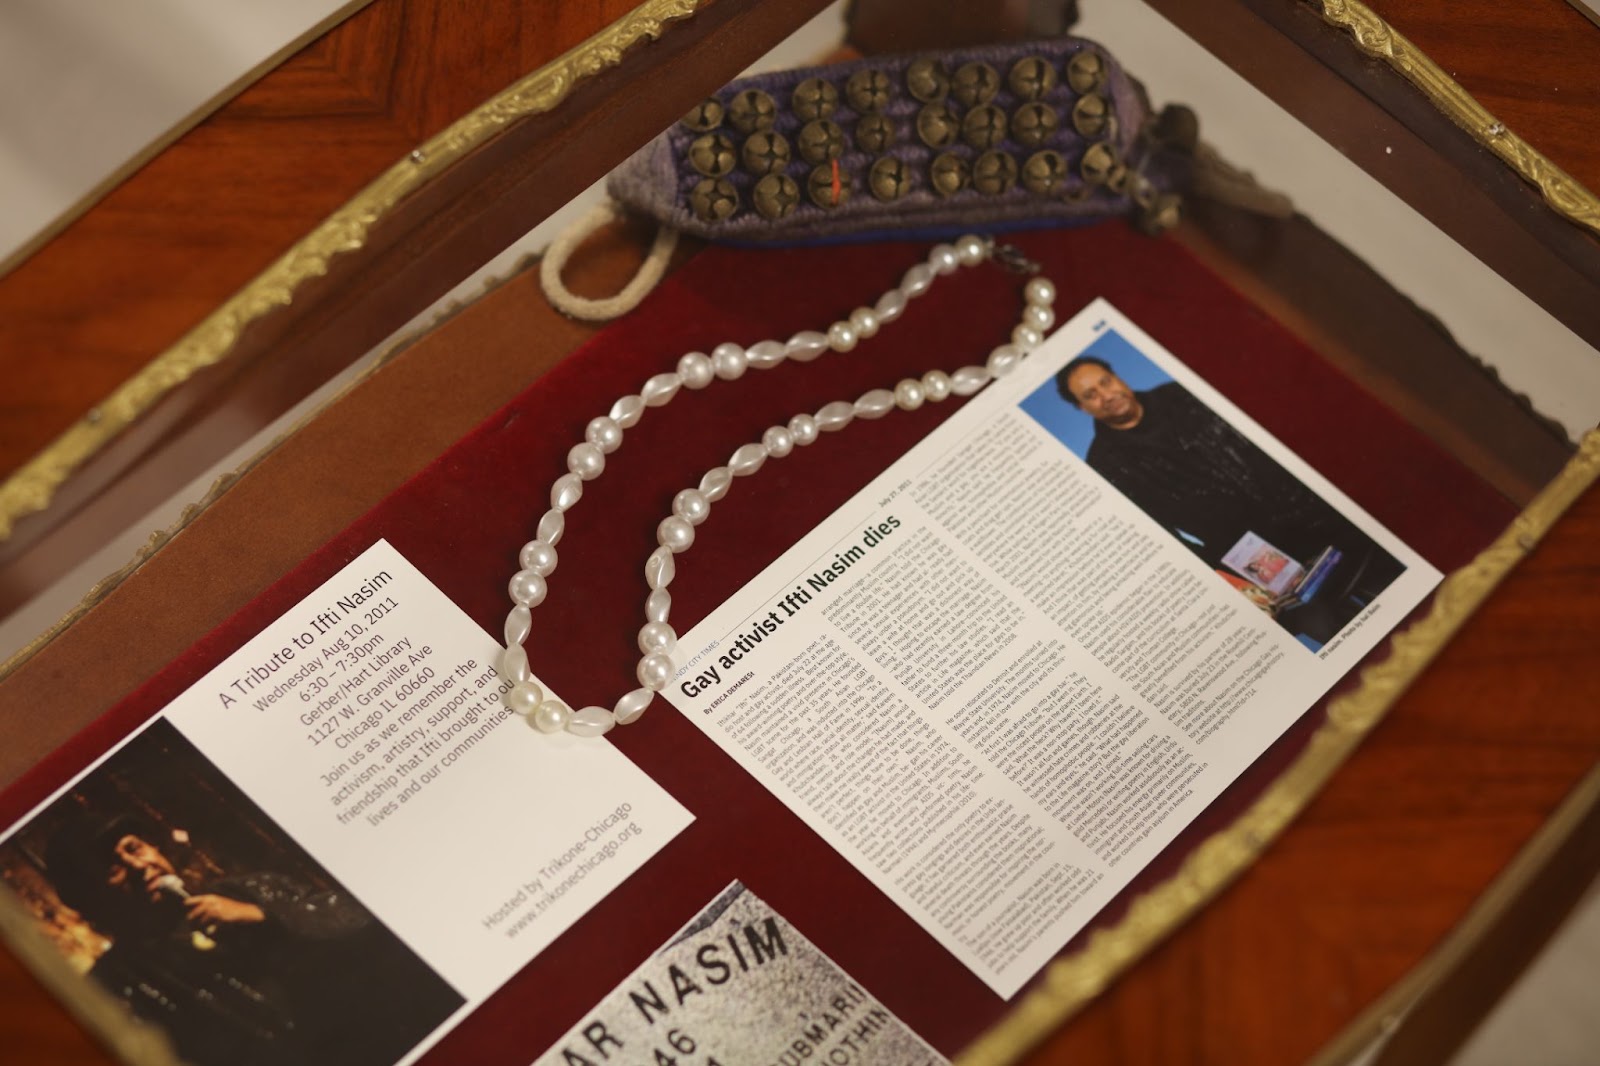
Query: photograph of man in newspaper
{"points": [[1251, 521]]}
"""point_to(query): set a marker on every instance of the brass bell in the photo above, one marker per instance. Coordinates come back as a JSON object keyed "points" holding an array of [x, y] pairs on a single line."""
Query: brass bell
{"points": [[1044, 172], [983, 127], [874, 133], [1098, 163], [1033, 124], [828, 185], [889, 179], [1165, 213], [714, 199], [994, 173], [820, 140], [936, 126], [704, 116], [775, 196], [868, 91], [949, 174], [1086, 71], [1091, 115], [814, 98], [764, 152], [712, 154], [974, 83], [1031, 77], [926, 81], [752, 110]]}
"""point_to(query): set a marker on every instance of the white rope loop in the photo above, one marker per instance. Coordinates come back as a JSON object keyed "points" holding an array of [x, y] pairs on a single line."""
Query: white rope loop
{"points": [[632, 294]]}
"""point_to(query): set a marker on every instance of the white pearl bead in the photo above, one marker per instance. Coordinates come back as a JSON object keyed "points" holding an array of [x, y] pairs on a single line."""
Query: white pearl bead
{"points": [[659, 569], [528, 588], [656, 636], [890, 306], [603, 433], [766, 355], [660, 389], [1004, 359], [626, 411], [675, 534], [587, 461], [806, 345], [591, 722], [692, 506], [908, 395], [1039, 291], [566, 491], [936, 385], [714, 485], [747, 460], [803, 428], [917, 280], [524, 697], [551, 716], [658, 605], [864, 320], [729, 361], [630, 706], [519, 623], [875, 404], [1025, 336], [551, 525], [696, 370], [514, 664], [943, 259], [655, 671], [970, 250], [835, 416], [968, 380], [841, 338], [778, 442], [1039, 317], [538, 556]]}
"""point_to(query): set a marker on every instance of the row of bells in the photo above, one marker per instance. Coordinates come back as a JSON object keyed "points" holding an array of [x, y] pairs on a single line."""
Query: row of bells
{"points": [[992, 173], [983, 127], [869, 91]]}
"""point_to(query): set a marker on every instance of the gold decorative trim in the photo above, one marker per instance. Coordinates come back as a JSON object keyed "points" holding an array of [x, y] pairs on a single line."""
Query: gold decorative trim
{"points": [[1071, 982], [1565, 195], [33, 486]]}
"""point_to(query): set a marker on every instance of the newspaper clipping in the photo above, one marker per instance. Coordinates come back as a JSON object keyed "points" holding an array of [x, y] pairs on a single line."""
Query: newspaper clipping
{"points": [[1013, 667]]}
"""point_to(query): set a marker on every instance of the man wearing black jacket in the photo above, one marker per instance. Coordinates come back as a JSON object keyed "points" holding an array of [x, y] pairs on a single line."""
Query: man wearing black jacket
{"points": [[1207, 484]]}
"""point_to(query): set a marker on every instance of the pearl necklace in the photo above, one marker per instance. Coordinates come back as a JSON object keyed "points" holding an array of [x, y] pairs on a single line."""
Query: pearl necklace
{"points": [[675, 534]]}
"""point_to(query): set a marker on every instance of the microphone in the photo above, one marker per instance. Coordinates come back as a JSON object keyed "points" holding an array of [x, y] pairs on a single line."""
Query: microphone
{"points": [[171, 885]]}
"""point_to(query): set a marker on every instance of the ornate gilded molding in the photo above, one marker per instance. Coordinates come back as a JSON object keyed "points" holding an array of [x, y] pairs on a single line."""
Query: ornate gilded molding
{"points": [[1073, 981], [32, 487], [1566, 196]]}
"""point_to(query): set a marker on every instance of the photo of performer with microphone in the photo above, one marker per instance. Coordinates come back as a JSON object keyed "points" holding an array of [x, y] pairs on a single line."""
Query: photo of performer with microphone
{"points": [[238, 961]]}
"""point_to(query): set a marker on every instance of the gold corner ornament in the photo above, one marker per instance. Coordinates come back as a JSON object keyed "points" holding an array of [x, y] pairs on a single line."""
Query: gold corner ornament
{"points": [[31, 488], [1565, 194], [1071, 982]]}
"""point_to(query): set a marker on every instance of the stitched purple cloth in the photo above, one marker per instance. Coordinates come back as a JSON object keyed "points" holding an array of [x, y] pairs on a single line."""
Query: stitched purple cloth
{"points": [[659, 179]]}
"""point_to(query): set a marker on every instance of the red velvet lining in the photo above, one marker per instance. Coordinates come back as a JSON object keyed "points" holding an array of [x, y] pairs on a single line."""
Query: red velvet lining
{"points": [[462, 520]]}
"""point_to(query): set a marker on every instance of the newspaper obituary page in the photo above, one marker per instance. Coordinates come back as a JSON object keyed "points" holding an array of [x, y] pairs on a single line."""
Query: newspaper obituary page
{"points": [[1002, 677]]}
